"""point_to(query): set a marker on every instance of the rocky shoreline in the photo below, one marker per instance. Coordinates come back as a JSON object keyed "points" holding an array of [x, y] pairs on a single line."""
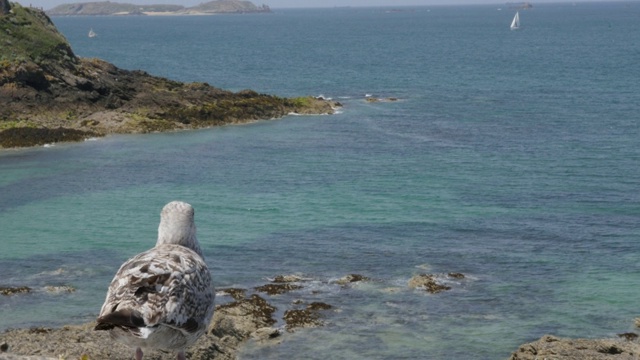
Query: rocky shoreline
{"points": [[248, 314], [242, 314], [48, 94]]}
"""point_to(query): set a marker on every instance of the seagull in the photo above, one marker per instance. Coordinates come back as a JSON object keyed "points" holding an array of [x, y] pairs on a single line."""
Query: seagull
{"points": [[162, 298]]}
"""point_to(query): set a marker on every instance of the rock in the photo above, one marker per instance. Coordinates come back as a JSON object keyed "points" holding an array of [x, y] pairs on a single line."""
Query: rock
{"points": [[287, 278], [629, 336], [305, 318], [456, 275], [14, 290], [375, 100], [242, 318], [59, 289], [351, 278], [266, 333], [550, 347], [277, 289], [235, 293], [27, 136], [427, 282], [316, 305]]}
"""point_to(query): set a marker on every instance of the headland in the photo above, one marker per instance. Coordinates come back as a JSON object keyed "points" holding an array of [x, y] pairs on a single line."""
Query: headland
{"points": [[48, 94]]}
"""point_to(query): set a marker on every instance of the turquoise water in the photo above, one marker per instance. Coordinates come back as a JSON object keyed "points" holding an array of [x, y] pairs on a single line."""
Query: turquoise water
{"points": [[511, 157]]}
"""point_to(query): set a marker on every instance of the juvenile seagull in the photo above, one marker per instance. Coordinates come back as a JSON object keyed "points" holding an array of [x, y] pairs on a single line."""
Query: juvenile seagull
{"points": [[162, 298]]}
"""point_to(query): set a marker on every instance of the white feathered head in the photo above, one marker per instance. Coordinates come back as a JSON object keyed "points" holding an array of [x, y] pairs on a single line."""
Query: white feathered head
{"points": [[177, 226]]}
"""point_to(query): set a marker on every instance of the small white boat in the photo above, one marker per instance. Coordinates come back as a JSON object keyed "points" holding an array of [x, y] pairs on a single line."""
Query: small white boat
{"points": [[515, 24], [92, 34]]}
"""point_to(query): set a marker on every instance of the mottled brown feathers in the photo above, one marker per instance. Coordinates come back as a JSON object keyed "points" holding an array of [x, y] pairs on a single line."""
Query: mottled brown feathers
{"points": [[162, 298]]}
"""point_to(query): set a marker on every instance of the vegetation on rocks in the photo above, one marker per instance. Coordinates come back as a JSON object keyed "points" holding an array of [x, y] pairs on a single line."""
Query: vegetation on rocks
{"points": [[233, 323], [47, 94]]}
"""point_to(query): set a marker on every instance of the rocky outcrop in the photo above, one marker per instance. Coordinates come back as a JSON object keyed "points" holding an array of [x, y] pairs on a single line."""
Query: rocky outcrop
{"points": [[432, 283], [232, 325], [43, 85], [351, 278], [551, 347], [234, 322]]}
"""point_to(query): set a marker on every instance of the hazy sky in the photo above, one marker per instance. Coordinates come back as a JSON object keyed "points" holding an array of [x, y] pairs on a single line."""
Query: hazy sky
{"points": [[274, 4], [48, 4]]}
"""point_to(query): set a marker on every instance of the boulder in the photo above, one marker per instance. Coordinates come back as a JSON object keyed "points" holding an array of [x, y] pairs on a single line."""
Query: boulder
{"points": [[427, 282], [351, 278], [551, 347], [14, 290], [305, 318]]}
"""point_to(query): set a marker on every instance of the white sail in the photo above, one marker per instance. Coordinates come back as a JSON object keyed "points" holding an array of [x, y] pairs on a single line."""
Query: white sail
{"points": [[515, 24], [92, 33]]}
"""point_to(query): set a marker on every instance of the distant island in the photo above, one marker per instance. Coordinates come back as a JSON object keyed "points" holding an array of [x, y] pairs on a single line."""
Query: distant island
{"points": [[521, 6], [108, 8]]}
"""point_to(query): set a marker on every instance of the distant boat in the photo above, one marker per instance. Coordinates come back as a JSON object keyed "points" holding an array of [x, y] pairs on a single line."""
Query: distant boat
{"points": [[92, 34], [515, 24]]}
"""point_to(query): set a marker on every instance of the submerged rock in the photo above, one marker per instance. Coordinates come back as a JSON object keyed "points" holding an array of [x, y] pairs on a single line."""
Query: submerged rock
{"points": [[235, 293], [629, 336], [277, 289], [427, 282], [456, 275], [305, 318], [287, 278], [57, 289], [351, 278], [14, 290]]}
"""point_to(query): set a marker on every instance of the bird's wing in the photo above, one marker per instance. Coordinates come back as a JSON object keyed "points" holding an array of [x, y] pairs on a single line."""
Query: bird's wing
{"points": [[167, 285]]}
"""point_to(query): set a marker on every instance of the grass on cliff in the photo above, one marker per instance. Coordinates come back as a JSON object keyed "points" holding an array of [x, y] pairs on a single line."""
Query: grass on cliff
{"points": [[29, 35]]}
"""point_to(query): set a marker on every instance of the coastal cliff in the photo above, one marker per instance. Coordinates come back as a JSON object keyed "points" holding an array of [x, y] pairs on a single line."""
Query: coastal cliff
{"points": [[103, 8], [48, 94]]}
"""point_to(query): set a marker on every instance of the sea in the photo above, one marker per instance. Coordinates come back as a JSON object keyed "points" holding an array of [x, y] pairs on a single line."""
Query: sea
{"points": [[511, 157]]}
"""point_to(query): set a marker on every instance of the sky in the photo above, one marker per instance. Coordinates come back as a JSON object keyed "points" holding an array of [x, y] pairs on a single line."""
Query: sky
{"points": [[275, 4]]}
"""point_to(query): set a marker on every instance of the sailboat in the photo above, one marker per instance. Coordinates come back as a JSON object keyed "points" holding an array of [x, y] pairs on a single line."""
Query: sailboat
{"points": [[92, 34], [515, 24]]}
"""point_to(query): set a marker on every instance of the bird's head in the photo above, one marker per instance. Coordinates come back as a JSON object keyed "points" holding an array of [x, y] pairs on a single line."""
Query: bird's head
{"points": [[177, 226]]}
